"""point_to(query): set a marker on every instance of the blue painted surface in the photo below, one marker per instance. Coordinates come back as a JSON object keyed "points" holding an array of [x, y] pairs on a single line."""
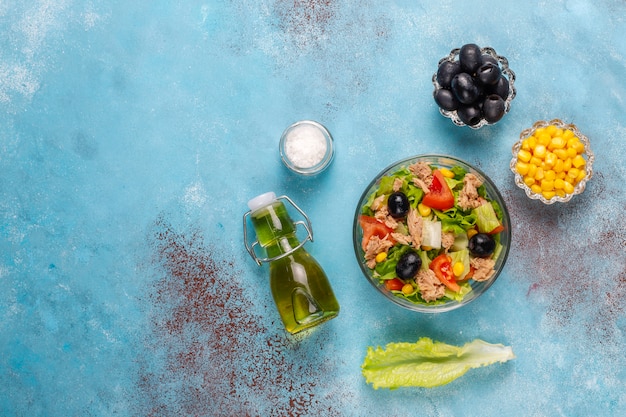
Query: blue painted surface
{"points": [[132, 135]]}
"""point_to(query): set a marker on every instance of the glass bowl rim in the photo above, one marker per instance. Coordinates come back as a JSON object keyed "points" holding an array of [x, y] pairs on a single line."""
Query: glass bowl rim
{"points": [[494, 194]]}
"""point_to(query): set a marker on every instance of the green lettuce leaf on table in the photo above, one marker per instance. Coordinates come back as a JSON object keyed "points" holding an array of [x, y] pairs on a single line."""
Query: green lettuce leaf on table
{"points": [[428, 364]]}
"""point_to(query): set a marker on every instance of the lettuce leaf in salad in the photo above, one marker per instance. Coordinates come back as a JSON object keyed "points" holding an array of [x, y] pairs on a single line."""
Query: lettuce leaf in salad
{"points": [[387, 268], [385, 186], [455, 221], [486, 218], [427, 363], [466, 288], [462, 256], [459, 172]]}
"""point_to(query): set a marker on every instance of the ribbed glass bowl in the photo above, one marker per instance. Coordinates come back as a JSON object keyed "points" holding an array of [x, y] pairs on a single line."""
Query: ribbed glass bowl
{"points": [[588, 155], [478, 288], [506, 71]]}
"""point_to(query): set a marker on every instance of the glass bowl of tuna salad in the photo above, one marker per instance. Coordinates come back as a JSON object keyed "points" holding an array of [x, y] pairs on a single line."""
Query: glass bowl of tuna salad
{"points": [[431, 233]]}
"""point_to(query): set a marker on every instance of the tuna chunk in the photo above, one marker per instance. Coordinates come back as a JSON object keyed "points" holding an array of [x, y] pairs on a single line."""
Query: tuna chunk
{"points": [[484, 268], [415, 223], [468, 197], [430, 287]]}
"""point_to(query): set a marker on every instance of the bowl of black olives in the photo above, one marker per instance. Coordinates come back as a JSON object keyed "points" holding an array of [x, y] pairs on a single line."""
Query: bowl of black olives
{"points": [[431, 233], [474, 86]]}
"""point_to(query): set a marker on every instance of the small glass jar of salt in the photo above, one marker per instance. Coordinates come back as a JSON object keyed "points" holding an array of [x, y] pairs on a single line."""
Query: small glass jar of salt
{"points": [[306, 147]]}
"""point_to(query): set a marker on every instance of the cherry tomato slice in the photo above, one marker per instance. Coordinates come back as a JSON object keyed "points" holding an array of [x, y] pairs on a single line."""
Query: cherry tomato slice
{"points": [[394, 284], [442, 267], [439, 195], [372, 227]]}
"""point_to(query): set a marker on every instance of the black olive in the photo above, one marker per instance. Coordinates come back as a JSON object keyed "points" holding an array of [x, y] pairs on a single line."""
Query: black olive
{"points": [[446, 99], [398, 204], [489, 58], [493, 108], [408, 265], [470, 115], [481, 245], [470, 57], [489, 73], [446, 72], [500, 88], [465, 89]]}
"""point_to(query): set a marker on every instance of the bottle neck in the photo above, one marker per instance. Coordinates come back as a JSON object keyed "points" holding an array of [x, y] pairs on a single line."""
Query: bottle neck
{"points": [[274, 228], [281, 246]]}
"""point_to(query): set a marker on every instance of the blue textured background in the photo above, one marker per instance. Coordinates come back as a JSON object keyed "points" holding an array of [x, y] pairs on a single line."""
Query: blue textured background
{"points": [[132, 135]]}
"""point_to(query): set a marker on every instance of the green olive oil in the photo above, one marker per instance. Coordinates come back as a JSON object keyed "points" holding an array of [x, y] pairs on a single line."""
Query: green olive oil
{"points": [[299, 286]]}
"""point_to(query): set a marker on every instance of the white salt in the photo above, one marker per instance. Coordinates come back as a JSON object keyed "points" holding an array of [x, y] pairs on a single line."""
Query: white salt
{"points": [[305, 146]]}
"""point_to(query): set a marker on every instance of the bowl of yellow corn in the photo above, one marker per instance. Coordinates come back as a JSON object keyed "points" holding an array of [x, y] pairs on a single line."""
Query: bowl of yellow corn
{"points": [[552, 161]]}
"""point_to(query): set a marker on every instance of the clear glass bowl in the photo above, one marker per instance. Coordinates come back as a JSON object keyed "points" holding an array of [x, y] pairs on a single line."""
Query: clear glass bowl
{"points": [[306, 147], [478, 288], [588, 155], [504, 65]]}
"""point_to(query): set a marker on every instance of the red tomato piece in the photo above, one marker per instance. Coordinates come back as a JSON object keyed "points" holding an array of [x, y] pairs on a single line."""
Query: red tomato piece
{"points": [[372, 227], [442, 267], [497, 230], [394, 284], [439, 195]]}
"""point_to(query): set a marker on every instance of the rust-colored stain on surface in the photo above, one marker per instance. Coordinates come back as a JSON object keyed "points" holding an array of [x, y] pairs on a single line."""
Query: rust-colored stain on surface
{"points": [[552, 244], [217, 357]]}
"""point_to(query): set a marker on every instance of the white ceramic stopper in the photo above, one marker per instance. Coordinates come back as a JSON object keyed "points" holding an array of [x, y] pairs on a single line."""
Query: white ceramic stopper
{"points": [[261, 201]]}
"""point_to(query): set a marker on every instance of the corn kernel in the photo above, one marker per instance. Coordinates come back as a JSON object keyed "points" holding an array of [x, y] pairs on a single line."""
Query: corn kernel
{"points": [[523, 155], [521, 168], [524, 146], [529, 181], [567, 133], [423, 210], [559, 184], [581, 175], [580, 148], [550, 159], [573, 173], [551, 130], [532, 142], [381, 257], [539, 174], [578, 161], [446, 172], [567, 164], [560, 153], [543, 139], [562, 175], [575, 143], [560, 193], [549, 174], [535, 188], [568, 187], [558, 166], [571, 152], [407, 289], [557, 143], [539, 131], [532, 170], [539, 151], [471, 232], [548, 194], [458, 269], [547, 185], [535, 161]]}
